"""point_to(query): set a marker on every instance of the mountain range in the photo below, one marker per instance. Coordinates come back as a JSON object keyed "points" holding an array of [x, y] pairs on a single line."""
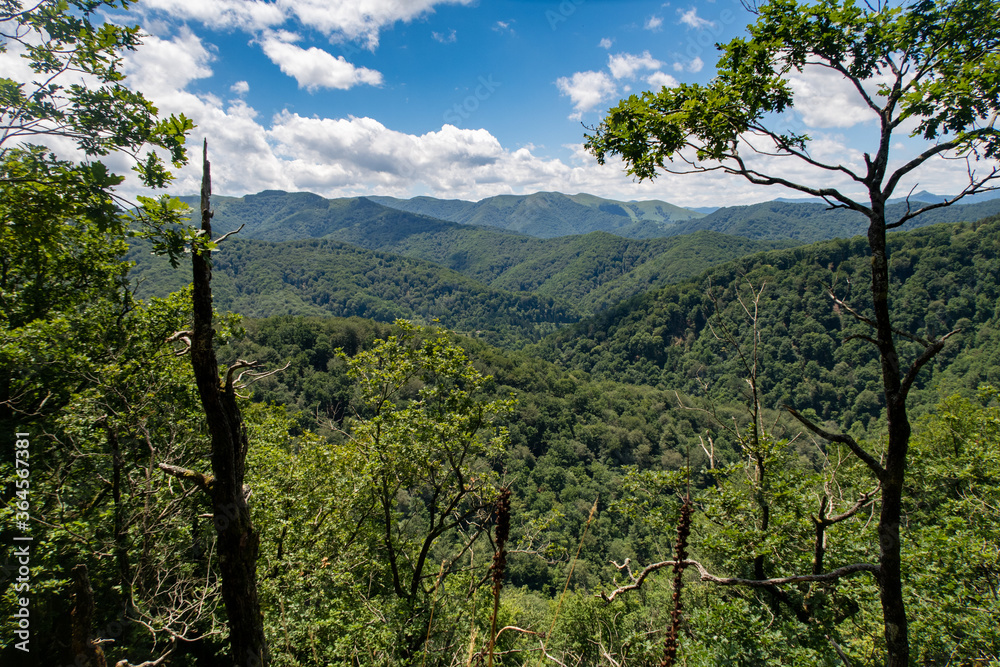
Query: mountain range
{"points": [[299, 253]]}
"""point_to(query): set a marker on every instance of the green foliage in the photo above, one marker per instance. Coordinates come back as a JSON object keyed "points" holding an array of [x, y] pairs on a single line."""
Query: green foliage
{"points": [[952, 559], [942, 277], [395, 505], [323, 278], [60, 41]]}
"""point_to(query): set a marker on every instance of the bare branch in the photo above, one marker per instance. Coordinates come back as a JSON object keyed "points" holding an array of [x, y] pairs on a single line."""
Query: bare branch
{"points": [[843, 439], [255, 376], [204, 482], [973, 188], [240, 363], [936, 149], [870, 322], [228, 234], [832, 575], [863, 500], [637, 581], [933, 347], [758, 178], [183, 336]]}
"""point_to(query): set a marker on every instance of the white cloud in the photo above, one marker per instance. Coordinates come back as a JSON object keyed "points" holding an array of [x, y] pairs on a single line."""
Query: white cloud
{"points": [[359, 19], [586, 90], [249, 15], [696, 64], [315, 68], [825, 98], [341, 19], [449, 38], [660, 80], [654, 23], [337, 157], [605, 43], [161, 66], [691, 19], [504, 26], [625, 65]]}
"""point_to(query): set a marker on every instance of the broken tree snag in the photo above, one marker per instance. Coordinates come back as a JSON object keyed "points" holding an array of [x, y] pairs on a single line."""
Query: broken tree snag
{"points": [[238, 542], [86, 652]]}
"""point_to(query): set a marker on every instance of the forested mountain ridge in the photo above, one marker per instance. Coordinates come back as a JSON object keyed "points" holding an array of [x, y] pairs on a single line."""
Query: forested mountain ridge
{"points": [[593, 270], [810, 222], [274, 215], [944, 278], [550, 214], [380, 222], [323, 277]]}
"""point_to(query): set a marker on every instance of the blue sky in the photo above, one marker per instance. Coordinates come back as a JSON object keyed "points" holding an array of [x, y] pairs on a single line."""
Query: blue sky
{"points": [[449, 98]]}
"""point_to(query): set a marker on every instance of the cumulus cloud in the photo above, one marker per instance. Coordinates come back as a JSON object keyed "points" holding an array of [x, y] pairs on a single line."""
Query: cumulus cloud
{"points": [[161, 66], [824, 98], [625, 65], [605, 43], [449, 38], [315, 68], [586, 90], [696, 64], [240, 87], [691, 19], [661, 80], [654, 23], [359, 19], [249, 15], [340, 19]]}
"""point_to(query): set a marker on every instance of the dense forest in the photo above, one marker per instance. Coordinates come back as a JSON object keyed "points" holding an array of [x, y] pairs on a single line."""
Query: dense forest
{"points": [[355, 433]]}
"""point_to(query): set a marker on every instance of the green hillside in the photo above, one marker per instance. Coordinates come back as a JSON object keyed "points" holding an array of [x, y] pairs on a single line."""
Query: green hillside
{"points": [[330, 278], [808, 223], [597, 415], [550, 214], [945, 277], [594, 270]]}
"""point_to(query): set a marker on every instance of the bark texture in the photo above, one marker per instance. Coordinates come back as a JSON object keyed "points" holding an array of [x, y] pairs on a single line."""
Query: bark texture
{"points": [[238, 542]]}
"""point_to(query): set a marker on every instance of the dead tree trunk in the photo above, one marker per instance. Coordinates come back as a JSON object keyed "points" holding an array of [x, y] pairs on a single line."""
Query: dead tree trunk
{"points": [[88, 654], [238, 542]]}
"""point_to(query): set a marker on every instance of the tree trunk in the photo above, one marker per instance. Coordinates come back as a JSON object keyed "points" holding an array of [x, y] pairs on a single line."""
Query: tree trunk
{"points": [[238, 542], [890, 577], [88, 654]]}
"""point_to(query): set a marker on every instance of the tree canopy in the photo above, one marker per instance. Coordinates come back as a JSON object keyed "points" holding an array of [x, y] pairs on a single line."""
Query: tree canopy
{"points": [[933, 65]]}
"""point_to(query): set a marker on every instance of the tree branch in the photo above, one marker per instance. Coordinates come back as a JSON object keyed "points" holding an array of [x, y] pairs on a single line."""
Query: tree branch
{"points": [[832, 575], [228, 234], [637, 581], [204, 482], [843, 439], [933, 347], [974, 187]]}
